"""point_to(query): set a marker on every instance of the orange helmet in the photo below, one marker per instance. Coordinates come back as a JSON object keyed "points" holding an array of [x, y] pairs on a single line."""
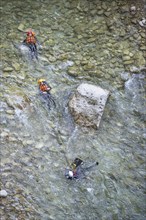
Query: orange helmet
{"points": [[30, 33]]}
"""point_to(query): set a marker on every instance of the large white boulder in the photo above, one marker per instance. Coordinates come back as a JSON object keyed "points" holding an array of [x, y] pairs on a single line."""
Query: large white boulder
{"points": [[87, 105]]}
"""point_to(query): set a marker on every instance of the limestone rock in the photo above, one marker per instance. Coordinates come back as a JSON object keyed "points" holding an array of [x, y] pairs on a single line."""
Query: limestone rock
{"points": [[87, 105]]}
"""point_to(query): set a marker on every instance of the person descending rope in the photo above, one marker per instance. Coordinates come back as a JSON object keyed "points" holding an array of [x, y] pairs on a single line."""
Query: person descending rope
{"points": [[31, 42], [77, 170], [44, 90]]}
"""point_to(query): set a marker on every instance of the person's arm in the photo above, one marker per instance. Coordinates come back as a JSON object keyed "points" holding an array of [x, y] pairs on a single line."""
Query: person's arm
{"points": [[90, 166], [48, 86], [37, 41]]}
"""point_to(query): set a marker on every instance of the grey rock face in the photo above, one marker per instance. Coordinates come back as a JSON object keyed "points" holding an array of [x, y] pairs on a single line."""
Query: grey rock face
{"points": [[87, 105]]}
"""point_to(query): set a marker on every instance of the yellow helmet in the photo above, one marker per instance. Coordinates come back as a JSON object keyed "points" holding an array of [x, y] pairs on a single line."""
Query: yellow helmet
{"points": [[41, 80]]}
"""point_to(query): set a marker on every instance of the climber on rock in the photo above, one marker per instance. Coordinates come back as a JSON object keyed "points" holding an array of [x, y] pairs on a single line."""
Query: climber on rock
{"points": [[44, 90], [31, 42], [77, 170]]}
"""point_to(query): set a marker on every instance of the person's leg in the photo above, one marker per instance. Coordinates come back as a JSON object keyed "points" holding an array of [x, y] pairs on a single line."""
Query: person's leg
{"points": [[35, 51], [50, 100], [90, 166], [31, 50]]}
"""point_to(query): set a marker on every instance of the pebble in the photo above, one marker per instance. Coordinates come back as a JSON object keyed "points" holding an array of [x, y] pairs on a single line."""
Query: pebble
{"points": [[126, 52], [39, 145], [133, 10], [44, 59], [124, 76], [8, 69], [134, 69], [143, 48], [142, 23], [10, 112], [12, 139], [127, 62], [125, 58], [4, 134], [21, 27], [28, 142], [107, 13], [11, 117], [100, 12], [125, 9], [90, 190], [16, 66], [3, 193], [52, 59], [72, 71]]}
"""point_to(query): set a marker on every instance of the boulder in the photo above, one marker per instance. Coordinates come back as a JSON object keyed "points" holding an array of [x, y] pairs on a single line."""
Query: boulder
{"points": [[87, 105]]}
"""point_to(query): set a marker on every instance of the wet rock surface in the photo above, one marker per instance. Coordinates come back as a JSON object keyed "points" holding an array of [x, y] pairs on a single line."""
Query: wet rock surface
{"points": [[96, 42], [87, 105]]}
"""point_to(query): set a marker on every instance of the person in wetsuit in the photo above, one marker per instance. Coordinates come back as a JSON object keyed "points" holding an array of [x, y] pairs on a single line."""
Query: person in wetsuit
{"points": [[44, 90], [77, 170], [31, 41]]}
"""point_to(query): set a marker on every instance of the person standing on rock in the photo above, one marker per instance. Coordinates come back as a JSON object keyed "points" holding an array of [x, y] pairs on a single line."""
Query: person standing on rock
{"points": [[31, 41]]}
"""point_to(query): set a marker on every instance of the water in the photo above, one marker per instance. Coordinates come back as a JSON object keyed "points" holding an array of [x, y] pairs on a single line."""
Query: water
{"points": [[36, 144]]}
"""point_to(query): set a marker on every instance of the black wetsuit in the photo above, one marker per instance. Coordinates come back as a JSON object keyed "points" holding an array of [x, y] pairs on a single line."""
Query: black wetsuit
{"points": [[46, 95], [80, 171], [33, 49]]}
